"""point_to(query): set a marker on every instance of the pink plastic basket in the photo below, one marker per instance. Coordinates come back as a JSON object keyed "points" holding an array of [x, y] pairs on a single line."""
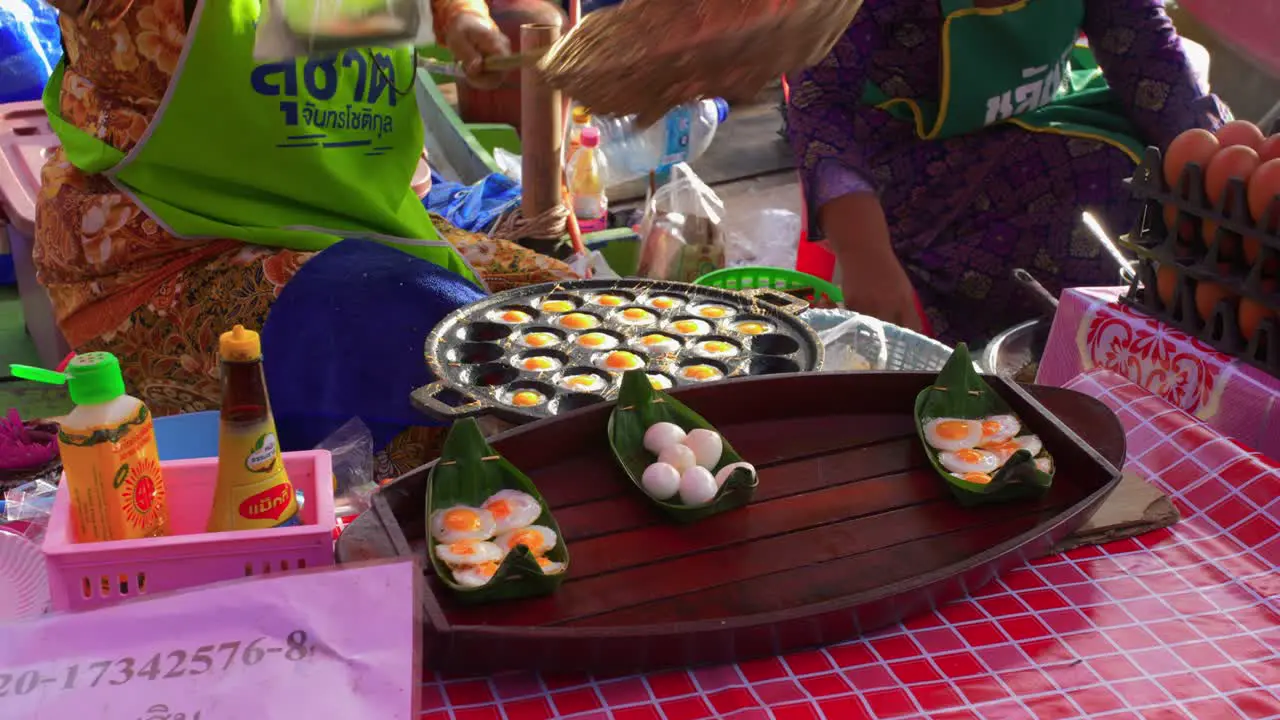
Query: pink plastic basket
{"points": [[91, 575]]}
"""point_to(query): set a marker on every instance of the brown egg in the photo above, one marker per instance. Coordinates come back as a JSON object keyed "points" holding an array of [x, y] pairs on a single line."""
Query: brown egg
{"points": [[1166, 283], [1270, 148], [1208, 295], [1264, 187], [1193, 146], [1230, 163], [1252, 314], [1241, 132]]}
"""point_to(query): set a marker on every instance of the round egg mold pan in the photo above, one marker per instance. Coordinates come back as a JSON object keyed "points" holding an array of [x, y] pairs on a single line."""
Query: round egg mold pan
{"points": [[1203, 259], [480, 361]]}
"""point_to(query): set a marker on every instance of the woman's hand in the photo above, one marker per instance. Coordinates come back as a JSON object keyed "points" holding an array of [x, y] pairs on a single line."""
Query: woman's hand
{"points": [[873, 280], [472, 38]]}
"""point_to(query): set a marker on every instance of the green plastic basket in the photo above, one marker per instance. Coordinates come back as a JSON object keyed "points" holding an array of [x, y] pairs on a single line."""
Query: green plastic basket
{"points": [[817, 291]]}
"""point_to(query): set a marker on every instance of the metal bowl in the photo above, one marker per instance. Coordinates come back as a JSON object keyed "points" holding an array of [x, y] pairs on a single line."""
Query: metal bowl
{"points": [[1014, 350]]}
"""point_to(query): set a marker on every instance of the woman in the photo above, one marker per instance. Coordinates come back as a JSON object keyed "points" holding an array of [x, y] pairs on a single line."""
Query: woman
{"points": [[944, 143], [194, 183]]}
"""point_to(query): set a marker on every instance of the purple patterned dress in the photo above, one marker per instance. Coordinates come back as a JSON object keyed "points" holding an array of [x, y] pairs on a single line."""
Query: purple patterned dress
{"points": [[964, 212]]}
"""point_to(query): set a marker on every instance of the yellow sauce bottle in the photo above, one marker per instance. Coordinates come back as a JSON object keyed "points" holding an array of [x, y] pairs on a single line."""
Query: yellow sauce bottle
{"points": [[109, 454], [254, 491]]}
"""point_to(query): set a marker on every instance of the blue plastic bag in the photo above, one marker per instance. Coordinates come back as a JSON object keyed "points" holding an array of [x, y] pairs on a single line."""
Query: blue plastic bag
{"points": [[30, 47]]}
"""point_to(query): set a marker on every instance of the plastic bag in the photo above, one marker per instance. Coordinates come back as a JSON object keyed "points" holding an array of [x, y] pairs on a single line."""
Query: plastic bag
{"points": [[27, 508], [351, 447], [30, 47], [682, 237], [294, 28], [858, 343], [767, 237]]}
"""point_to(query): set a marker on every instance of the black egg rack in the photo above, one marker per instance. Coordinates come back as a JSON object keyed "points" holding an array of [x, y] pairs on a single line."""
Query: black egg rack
{"points": [[1197, 259]]}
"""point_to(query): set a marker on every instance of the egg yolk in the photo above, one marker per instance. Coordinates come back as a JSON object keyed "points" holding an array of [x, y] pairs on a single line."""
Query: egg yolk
{"points": [[610, 300], [686, 326], [634, 314], [990, 427], [621, 360], [664, 303], [969, 456], [581, 382], [463, 548], [976, 478], [539, 339], [487, 570], [544, 563], [751, 328], [462, 519], [531, 539], [1009, 446], [952, 430], [713, 312], [593, 340], [716, 346], [557, 306], [657, 384], [526, 398], [700, 372], [579, 321], [514, 316], [538, 363], [499, 508], [653, 339]]}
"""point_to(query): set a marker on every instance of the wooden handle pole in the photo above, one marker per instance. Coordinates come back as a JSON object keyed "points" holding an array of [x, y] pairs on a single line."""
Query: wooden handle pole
{"points": [[541, 128]]}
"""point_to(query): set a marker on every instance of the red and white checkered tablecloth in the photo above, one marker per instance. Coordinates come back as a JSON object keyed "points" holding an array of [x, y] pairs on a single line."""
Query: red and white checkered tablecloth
{"points": [[1179, 623]]}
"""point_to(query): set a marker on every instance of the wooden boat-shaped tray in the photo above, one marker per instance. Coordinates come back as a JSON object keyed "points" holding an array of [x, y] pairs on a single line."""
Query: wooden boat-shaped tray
{"points": [[850, 529]]}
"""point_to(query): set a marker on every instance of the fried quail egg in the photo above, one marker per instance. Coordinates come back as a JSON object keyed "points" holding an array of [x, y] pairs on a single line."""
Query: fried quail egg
{"points": [[584, 382], [1030, 443], [460, 523], [539, 363], [1006, 449], [538, 538], [475, 575], [527, 398], [716, 349], [977, 478], [952, 433], [510, 316], [557, 306], [468, 552], [728, 470], [691, 327], [753, 327], [697, 486], [701, 373], [661, 481], [550, 567], [637, 316], [598, 341], [621, 360], [609, 300], [579, 321], [663, 435], [713, 312], [1044, 464], [664, 302], [707, 447], [660, 344], [539, 339], [968, 461], [512, 509], [999, 428], [659, 382]]}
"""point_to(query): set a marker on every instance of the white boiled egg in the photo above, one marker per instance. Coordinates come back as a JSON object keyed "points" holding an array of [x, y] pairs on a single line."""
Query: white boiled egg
{"points": [[585, 382], [539, 339], [716, 349], [663, 435], [468, 552], [952, 433], [637, 316], [462, 523], [679, 457], [537, 538], [510, 316], [475, 575], [550, 567], [690, 327], [512, 509], [597, 341], [660, 481], [969, 461], [728, 470], [999, 428], [1044, 464], [697, 487], [707, 447]]}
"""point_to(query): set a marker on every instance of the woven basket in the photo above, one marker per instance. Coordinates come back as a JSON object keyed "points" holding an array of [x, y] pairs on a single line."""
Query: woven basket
{"points": [[647, 56]]}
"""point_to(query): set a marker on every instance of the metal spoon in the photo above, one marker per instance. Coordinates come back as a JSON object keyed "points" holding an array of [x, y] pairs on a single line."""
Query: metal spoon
{"points": [[1104, 239]]}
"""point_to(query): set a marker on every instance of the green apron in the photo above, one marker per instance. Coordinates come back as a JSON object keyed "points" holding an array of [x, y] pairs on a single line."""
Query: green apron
{"points": [[297, 154], [1018, 64]]}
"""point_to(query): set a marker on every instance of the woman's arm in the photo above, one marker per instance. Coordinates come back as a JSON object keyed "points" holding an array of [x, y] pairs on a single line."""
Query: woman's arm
{"points": [[444, 12], [1145, 65]]}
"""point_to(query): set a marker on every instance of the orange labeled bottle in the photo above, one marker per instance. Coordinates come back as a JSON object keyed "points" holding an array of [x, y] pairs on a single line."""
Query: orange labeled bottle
{"points": [[254, 491]]}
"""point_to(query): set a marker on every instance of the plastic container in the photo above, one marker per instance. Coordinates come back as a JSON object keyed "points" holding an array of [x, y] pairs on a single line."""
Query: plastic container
{"points": [[817, 291], [83, 577], [573, 134], [682, 136], [1200, 263], [586, 176]]}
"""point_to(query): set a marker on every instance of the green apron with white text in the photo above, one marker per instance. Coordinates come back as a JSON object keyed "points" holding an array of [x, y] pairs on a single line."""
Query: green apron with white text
{"points": [[1017, 64], [296, 154]]}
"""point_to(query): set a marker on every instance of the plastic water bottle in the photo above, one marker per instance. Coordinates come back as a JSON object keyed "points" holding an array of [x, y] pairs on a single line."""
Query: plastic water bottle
{"points": [[586, 176], [573, 133], [682, 136]]}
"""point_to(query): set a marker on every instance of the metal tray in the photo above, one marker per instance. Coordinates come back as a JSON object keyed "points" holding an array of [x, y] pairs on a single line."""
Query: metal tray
{"points": [[479, 354]]}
